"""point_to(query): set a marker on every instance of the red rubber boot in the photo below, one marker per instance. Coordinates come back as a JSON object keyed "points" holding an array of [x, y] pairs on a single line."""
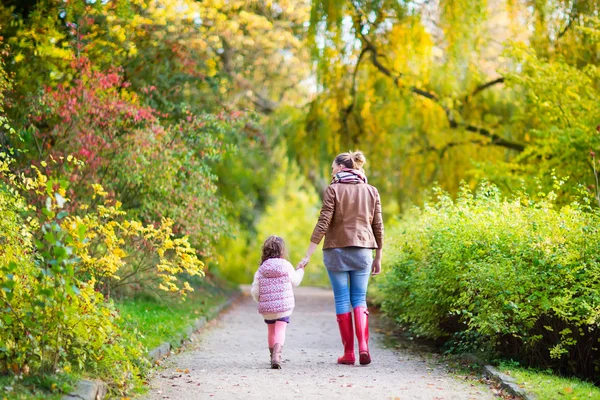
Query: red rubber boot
{"points": [[361, 319], [347, 334]]}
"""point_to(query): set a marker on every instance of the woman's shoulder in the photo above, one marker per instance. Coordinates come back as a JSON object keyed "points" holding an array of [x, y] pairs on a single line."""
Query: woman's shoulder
{"points": [[373, 188]]}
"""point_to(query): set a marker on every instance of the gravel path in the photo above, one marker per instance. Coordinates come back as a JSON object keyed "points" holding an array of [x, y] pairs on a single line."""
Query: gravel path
{"points": [[230, 360]]}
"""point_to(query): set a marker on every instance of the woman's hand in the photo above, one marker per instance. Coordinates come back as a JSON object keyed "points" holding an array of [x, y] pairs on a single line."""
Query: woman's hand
{"points": [[303, 262], [376, 268]]}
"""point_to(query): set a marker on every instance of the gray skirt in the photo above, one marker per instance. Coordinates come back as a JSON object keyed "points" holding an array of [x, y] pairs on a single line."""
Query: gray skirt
{"points": [[347, 259]]}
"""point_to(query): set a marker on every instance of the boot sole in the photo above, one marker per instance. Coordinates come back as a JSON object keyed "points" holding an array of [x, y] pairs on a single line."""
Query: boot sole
{"points": [[365, 359], [275, 366]]}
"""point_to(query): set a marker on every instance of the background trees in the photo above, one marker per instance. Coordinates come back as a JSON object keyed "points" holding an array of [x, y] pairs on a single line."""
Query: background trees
{"points": [[451, 90]]}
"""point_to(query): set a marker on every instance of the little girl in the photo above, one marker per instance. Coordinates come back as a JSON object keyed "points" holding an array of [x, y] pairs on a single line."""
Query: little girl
{"points": [[272, 289]]}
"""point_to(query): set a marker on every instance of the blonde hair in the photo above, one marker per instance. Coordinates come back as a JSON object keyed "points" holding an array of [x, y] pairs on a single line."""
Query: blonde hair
{"points": [[274, 247], [351, 159]]}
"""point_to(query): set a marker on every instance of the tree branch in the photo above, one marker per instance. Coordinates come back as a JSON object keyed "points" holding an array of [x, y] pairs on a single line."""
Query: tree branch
{"points": [[442, 150], [572, 16], [486, 85], [495, 139], [348, 110]]}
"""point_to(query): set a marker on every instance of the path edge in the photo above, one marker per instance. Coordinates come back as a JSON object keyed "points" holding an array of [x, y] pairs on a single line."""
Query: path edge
{"points": [[508, 383], [87, 389]]}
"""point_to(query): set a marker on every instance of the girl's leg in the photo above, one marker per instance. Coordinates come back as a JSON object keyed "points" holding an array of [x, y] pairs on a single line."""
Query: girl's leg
{"points": [[341, 294], [280, 327], [271, 337], [279, 339]]}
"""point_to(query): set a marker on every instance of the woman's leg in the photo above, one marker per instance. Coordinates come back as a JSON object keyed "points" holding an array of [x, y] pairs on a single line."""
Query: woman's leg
{"points": [[339, 283], [359, 280], [341, 294]]}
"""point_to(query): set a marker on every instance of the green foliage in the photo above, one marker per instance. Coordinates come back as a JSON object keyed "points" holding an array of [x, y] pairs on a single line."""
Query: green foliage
{"points": [[560, 115], [36, 387], [522, 272]]}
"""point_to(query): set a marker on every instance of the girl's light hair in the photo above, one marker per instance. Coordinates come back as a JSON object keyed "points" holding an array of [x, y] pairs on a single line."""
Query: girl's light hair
{"points": [[351, 159], [274, 247]]}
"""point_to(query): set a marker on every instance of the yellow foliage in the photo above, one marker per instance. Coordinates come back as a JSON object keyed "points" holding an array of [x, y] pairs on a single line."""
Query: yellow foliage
{"points": [[105, 253]]}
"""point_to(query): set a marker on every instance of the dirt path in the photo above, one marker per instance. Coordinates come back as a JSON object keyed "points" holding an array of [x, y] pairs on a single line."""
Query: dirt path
{"points": [[231, 361]]}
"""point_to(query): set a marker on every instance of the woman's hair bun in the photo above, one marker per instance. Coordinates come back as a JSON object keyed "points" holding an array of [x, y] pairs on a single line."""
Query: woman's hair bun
{"points": [[358, 159]]}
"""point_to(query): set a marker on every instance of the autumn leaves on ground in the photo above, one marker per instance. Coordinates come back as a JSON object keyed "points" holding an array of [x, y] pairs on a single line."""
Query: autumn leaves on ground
{"points": [[147, 148]]}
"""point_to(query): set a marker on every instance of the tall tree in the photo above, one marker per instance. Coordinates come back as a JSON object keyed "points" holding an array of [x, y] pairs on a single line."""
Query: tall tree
{"points": [[433, 91]]}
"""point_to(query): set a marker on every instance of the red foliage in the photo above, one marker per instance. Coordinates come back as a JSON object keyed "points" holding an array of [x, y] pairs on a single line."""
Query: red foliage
{"points": [[92, 117]]}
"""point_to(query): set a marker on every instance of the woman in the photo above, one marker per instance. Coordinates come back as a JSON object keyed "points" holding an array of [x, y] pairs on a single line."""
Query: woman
{"points": [[351, 222]]}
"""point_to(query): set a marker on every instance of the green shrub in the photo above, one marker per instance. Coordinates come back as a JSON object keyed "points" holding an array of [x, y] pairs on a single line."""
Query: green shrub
{"points": [[54, 320], [525, 274], [56, 263]]}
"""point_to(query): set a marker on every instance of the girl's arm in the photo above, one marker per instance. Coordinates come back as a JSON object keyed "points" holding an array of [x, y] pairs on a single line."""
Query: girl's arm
{"points": [[295, 275], [254, 288]]}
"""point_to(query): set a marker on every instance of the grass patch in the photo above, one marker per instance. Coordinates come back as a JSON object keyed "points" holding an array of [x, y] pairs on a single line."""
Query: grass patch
{"points": [[545, 385], [162, 320], [47, 387]]}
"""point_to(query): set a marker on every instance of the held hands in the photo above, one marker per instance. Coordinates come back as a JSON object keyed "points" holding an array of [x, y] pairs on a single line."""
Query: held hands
{"points": [[303, 262]]}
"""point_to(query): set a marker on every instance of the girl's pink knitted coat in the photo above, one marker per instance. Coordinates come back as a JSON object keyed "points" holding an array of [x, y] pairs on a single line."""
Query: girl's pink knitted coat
{"points": [[275, 287]]}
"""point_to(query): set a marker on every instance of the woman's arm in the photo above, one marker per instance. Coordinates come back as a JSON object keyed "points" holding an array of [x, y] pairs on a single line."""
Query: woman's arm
{"points": [[311, 249], [377, 223], [325, 217], [377, 226], [376, 266], [254, 289]]}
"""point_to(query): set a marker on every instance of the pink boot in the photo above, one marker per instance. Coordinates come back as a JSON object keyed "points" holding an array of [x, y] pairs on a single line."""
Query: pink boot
{"points": [[345, 324], [361, 318]]}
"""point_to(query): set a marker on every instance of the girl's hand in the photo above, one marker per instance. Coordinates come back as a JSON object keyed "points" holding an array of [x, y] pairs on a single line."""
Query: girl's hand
{"points": [[303, 262], [376, 268]]}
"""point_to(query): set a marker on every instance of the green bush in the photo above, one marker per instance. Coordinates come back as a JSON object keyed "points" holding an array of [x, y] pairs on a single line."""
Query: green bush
{"points": [[520, 274]]}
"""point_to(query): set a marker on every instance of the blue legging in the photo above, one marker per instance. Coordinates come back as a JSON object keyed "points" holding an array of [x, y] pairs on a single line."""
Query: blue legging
{"points": [[349, 289]]}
